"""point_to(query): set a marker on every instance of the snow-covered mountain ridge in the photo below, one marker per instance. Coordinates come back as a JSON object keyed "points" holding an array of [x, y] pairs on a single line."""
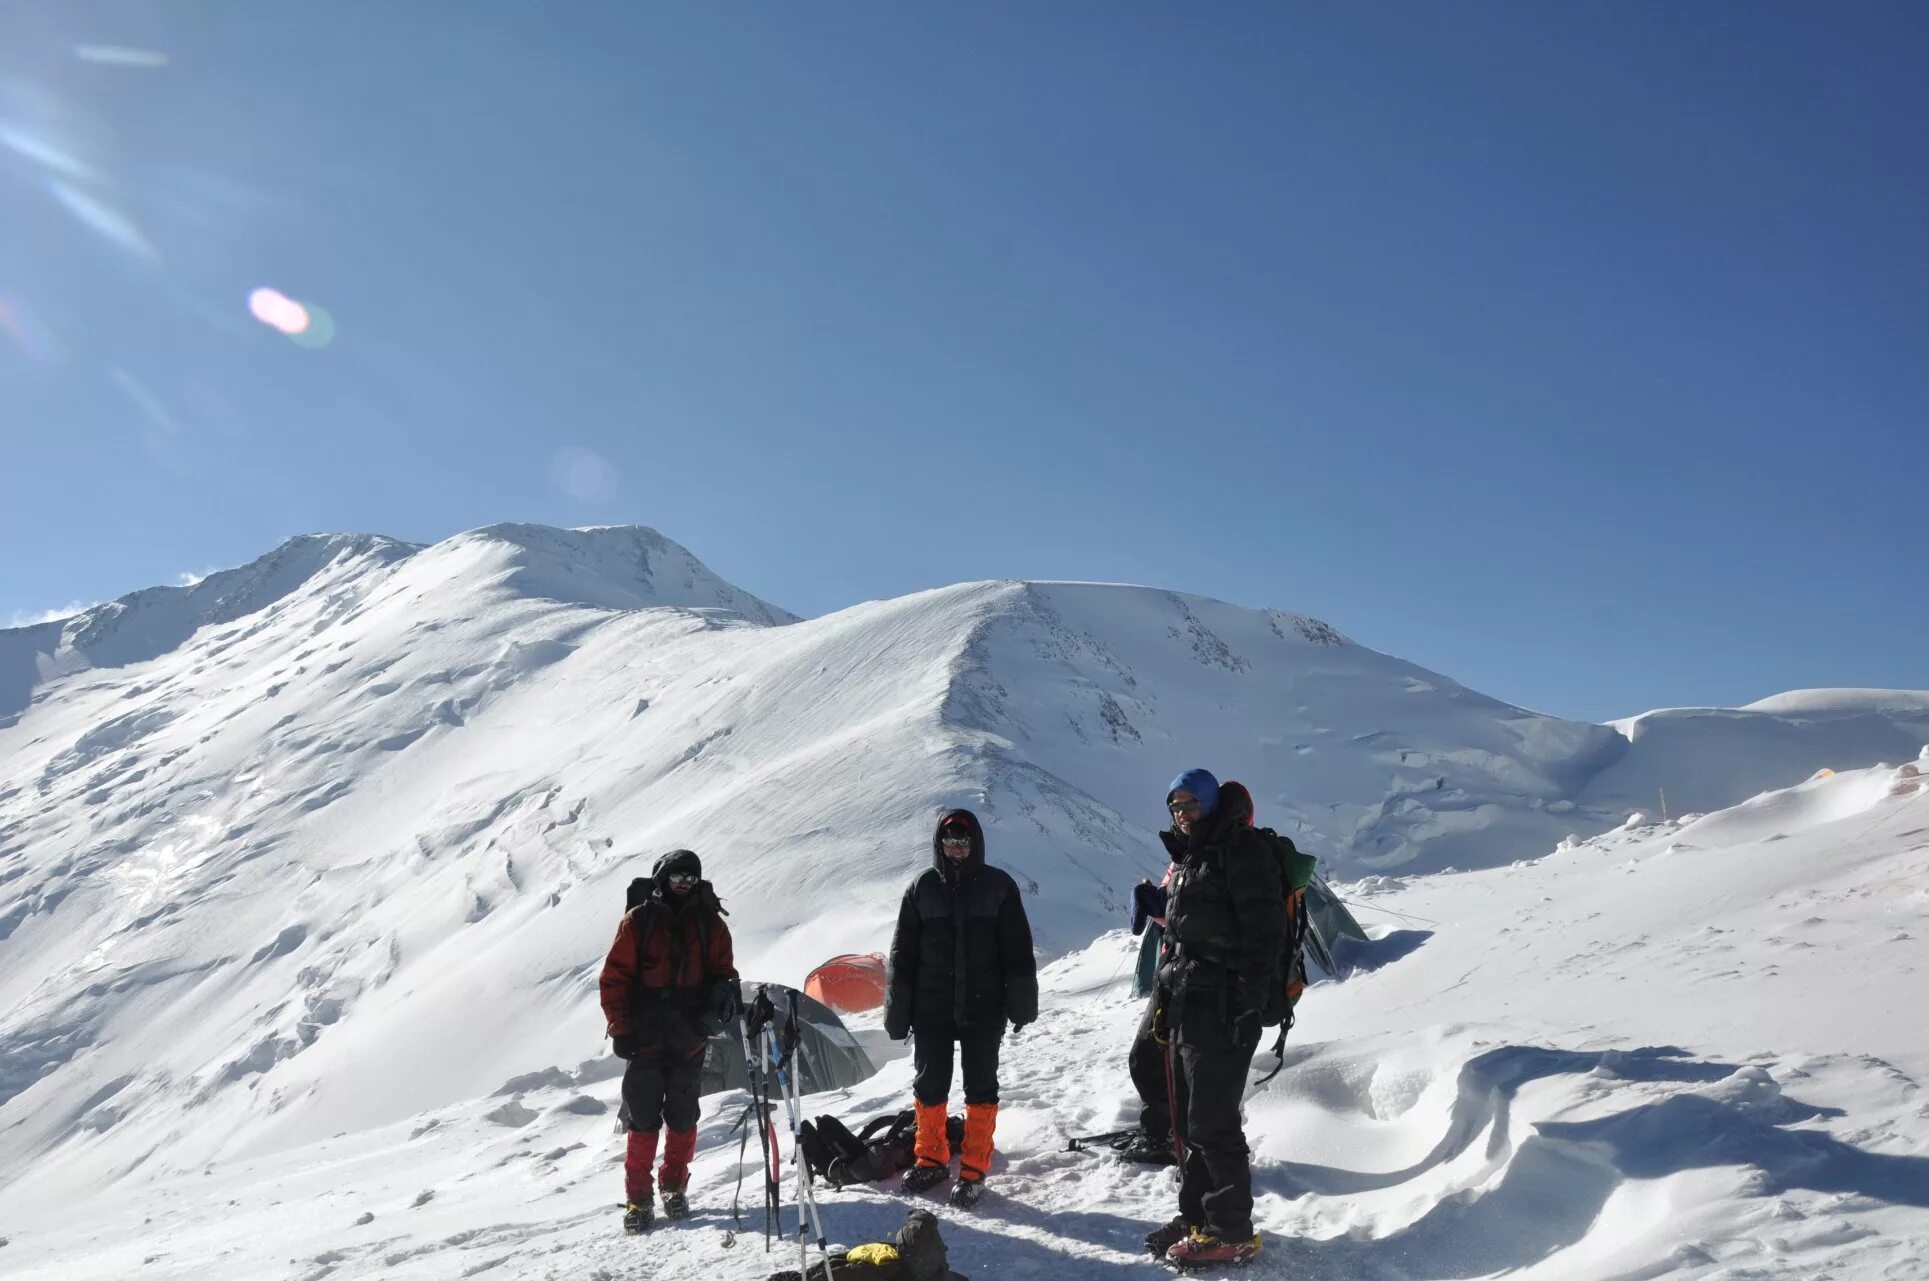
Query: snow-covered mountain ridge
{"points": [[321, 843]]}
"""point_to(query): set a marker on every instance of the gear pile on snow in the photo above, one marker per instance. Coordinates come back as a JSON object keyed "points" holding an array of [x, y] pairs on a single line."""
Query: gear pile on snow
{"points": [[917, 1254]]}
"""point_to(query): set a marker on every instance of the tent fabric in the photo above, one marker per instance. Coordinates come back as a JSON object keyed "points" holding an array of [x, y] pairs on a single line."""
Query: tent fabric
{"points": [[829, 1057], [1328, 922], [849, 984], [1146, 976]]}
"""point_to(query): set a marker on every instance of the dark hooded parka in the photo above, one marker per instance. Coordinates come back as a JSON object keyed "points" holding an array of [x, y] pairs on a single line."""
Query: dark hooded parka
{"points": [[962, 954], [1218, 987], [1225, 921]]}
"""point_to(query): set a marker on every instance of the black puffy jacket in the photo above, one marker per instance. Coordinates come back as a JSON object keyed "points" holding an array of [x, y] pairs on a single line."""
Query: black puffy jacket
{"points": [[962, 954], [1225, 923]]}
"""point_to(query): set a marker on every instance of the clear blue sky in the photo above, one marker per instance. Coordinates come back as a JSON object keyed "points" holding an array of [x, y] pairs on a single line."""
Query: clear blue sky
{"points": [[1580, 351]]}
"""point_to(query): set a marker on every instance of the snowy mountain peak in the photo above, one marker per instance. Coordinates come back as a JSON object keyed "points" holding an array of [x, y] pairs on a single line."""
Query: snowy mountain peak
{"points": [[617, 567], [146, 624], [601, 566]]}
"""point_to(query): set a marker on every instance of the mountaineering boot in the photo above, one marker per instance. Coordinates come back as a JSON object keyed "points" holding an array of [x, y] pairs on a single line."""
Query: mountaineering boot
{"points": [[1200, 1250], [1164, 1237], [1148, 1149], [638, 1218], [675, 1204], [922, 1177], [641, 1151], [966, 1193]]}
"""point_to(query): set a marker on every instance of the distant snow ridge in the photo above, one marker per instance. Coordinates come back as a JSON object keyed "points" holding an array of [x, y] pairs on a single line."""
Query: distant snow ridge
{"points": [[146, 624], [1709, 758], [611, 567]]}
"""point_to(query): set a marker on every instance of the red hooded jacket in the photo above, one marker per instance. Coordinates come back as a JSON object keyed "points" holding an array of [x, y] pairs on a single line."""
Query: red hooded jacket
{"points": [[685, 948]]}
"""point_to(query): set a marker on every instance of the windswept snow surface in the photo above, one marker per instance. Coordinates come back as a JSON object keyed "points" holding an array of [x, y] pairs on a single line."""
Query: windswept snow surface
{"points": [[304, 857], [1687, 1050], [1706, 758]]}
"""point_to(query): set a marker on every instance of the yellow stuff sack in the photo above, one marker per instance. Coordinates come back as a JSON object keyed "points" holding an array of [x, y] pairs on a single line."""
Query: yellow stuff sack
{"points": [[875, 1255]]}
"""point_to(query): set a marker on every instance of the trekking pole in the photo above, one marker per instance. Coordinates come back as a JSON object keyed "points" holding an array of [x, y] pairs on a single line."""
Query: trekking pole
{"points": [[790, 1084], [1160, 1013], [1172, 1106], [768, 1045], [773, 1176], [743, 1144], [750, 1025], [1081, 1142]]}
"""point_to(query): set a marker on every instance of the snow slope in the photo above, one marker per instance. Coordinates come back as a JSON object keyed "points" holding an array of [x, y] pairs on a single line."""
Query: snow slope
{"points": [[1678, 1050], [333, 842], [1708, 758]]}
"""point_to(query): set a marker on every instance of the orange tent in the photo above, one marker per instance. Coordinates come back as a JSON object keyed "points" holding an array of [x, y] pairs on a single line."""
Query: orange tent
{"points": [[848, 984]]}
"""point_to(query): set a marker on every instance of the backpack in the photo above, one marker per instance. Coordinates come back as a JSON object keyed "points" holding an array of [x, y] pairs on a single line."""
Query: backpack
{"points": [[885, 1146], [1296, 873]]}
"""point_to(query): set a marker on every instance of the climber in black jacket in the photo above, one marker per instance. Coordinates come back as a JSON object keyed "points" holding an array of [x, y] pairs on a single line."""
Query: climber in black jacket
{"points": [[1219, 987], [961, 967]]}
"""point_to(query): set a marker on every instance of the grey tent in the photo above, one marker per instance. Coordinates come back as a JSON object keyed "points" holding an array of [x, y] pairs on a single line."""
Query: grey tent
{"points": [[829, 1058], [1327, 922]]}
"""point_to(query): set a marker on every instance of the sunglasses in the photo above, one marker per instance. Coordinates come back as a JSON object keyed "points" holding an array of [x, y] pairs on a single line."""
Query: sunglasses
{"points": [[954, 840], [1183, 807], [682, 878]]}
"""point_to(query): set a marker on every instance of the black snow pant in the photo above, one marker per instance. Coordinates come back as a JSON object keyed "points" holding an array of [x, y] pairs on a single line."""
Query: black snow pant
{"points": [[1146, 1060], [660, 1089], [931, 1056], [1209, 1080]]}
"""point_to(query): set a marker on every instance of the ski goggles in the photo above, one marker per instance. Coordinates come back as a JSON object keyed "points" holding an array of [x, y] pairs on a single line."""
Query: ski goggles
{"points": [[681, 880]]}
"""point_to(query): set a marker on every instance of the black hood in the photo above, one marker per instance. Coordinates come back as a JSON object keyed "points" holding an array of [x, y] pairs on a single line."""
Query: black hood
{"points": [[977, 860], [677, 861]]}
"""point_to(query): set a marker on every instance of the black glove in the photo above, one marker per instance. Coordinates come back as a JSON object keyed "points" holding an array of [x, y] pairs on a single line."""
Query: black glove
{"points": [[623, 1045], [726, 1003], [1148, 901], [1248, 1020], [897, 1031], [1019, 1025]]}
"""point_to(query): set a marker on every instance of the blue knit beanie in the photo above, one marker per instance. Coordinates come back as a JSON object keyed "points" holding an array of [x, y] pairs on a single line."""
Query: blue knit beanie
{"points": [[1201, 784]]}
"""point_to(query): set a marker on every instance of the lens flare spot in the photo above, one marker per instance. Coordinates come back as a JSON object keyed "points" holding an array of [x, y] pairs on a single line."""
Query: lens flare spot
{"points": [[35, 341], [583, 474], [108, 55], [46, 154], [320, 329], [99, 216], [278, 311]]}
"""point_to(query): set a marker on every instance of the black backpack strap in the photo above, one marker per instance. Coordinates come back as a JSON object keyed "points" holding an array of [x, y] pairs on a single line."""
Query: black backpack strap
{"points": [[838, 1139], [1279, 1049], [888, 1126]]}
